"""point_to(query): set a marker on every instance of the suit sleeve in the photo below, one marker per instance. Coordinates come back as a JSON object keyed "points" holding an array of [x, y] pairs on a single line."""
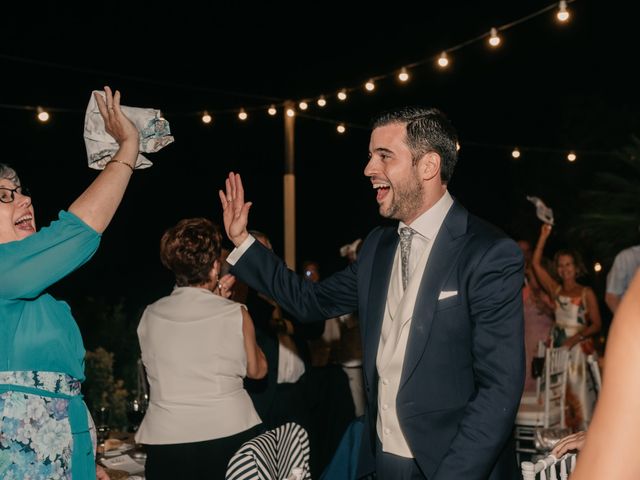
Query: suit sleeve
{"points": [[495, 309], [336, 295]]}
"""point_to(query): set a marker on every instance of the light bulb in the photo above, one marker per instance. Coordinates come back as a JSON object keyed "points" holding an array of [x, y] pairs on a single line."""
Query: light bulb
{"points": [[43, 115], [303, 105], [342, 95], [242, 115], [515, 153], [597, 267], [272, 110], [494, 39], [370, 86], [341, 128], [563, 13], [403, 76], [290, 112], [572, 157], [443, 60], [321, 102], [206, 118]]}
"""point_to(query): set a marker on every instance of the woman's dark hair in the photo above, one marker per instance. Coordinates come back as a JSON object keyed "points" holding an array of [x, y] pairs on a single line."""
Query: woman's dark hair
{"points": [[189, 250]]}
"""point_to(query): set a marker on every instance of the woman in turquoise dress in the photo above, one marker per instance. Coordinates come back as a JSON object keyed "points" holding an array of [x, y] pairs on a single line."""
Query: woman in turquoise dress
{"points": [[44, 430], [577, 320]]}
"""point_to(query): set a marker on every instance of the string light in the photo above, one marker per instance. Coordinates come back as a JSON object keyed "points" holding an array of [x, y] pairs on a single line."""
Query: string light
{"points": [[443, 60], [563, 13], [206, 118], [403, 76], [597, 267], [572, 156], [43, 115], [515, 153], [494, 39], [341, 128], [291, 112]]}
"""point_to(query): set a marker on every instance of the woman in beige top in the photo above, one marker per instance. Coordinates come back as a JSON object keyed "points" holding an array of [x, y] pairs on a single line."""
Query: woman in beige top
{"points": [[196, 347]]}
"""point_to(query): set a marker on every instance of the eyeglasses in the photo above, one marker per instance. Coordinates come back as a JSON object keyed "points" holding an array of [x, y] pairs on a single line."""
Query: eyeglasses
{"points": [[8, 195]]}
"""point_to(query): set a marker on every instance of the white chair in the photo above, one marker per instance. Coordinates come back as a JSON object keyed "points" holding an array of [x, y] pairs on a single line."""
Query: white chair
{"points": [[549, 468], [548, 409], [278, 454]]}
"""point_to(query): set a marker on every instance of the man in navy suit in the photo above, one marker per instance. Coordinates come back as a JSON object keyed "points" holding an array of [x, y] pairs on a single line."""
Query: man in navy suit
{"points": [[440, 310]]}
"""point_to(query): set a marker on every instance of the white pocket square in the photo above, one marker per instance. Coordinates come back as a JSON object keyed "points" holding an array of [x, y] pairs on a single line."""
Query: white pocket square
{"points": [[447, 293]]}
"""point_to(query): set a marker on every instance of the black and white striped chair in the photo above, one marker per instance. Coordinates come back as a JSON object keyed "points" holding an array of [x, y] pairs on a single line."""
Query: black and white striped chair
{"points": [[278, 454], [549, 468]]}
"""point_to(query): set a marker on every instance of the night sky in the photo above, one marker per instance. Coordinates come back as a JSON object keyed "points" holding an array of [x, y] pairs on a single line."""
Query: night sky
{"points": [[548, 87]]}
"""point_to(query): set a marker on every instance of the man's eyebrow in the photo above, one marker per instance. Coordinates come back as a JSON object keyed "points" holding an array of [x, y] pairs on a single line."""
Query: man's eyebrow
{"points": [[382, 150]]}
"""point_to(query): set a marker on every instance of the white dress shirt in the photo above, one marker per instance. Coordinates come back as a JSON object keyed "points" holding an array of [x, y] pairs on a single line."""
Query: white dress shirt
{"points": [[397, 323]]}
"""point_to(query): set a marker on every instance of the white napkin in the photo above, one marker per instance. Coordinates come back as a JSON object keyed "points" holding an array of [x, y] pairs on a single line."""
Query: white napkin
{"points": [[154, 134], [543, 212]]}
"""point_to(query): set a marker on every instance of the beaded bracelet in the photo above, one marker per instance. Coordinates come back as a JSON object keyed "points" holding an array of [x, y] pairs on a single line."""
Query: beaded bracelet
{"points": [[120, 161]]}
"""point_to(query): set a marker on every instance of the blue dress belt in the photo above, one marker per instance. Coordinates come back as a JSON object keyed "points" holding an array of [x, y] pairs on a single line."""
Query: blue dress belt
{"points": [[82, 459]]}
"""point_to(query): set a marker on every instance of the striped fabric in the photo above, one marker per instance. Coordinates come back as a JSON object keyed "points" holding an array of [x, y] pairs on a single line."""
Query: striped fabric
{"points": [[273, 455]]}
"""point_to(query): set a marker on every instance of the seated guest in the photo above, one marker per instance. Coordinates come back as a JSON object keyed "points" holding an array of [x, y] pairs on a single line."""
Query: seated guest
{"points": [[197, 347]]}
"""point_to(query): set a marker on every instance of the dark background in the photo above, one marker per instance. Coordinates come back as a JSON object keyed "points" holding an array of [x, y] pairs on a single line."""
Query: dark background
{"points": [[551, 88]]}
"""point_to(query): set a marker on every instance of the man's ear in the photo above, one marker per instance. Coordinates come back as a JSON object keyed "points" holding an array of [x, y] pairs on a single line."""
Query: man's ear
{"points": [[429, 165]]}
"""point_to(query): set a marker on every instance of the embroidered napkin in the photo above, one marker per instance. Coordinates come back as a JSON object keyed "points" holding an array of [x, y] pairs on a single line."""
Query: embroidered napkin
{"points": [[154, 134]]}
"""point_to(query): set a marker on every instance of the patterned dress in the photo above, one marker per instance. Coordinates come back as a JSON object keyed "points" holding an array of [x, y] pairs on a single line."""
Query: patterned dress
{"points": [[44, 424], [571, 318]]}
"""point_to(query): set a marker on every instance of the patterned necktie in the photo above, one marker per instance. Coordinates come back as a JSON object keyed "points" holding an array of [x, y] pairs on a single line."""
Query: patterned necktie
{"points": [[406, 234]]}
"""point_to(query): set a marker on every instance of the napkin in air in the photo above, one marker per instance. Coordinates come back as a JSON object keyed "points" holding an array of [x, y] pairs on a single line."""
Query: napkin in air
{"points": [[154, 134], [543, 212]]}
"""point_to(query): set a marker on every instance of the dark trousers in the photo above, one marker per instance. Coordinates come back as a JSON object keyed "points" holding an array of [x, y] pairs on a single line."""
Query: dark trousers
{"points": [[206, 459]]}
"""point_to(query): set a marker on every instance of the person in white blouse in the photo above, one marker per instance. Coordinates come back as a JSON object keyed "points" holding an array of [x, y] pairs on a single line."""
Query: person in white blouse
{"points": [[196, 347]]}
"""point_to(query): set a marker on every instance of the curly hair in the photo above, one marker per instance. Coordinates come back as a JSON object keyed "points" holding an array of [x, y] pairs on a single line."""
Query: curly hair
{"points": [[189, 250]]}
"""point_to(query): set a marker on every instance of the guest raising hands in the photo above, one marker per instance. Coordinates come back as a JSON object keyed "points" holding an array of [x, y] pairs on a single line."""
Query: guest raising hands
{"points": [[44, 426], [577, 320]]}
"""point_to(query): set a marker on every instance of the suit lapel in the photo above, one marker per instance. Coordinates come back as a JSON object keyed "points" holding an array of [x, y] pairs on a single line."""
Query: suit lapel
{"points": [[380, 278], [443, 257]]}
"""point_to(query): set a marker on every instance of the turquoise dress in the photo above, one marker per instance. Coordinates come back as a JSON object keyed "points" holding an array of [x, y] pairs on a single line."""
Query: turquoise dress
{"points": [[44, 424]]}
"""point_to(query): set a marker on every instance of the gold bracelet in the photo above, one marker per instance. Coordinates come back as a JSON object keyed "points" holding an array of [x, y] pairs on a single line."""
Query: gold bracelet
{"points": [[120, 161]]}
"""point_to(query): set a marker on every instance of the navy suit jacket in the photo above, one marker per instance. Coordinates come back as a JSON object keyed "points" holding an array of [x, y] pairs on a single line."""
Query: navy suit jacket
{"points": [[464, 367]]}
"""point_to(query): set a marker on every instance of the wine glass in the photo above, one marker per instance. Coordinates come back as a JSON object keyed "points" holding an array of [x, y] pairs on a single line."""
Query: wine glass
{"points": [[102, 427], [135, 414]]}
